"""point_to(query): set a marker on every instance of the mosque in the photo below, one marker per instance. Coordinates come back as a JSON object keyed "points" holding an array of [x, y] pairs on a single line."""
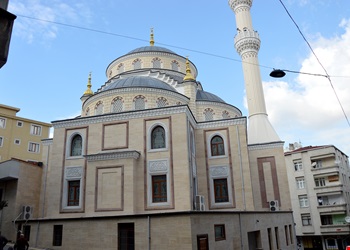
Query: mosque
{"points": [[156, 162]]}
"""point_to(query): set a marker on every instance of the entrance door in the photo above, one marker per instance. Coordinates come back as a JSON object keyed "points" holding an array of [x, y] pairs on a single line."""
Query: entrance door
{"points": [[126, 236], [202, 242]]}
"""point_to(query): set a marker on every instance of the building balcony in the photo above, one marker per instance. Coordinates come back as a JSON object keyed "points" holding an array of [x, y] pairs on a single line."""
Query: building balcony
{"points": [[325, 171], [329, 190], [332, 209], [335, 229]]}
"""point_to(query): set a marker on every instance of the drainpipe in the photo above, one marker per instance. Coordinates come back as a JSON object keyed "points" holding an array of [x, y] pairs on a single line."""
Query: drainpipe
{"points": [[149, 233]]}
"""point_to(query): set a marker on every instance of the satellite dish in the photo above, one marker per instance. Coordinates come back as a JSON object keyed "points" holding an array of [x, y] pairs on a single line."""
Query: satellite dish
{"points": [[347, 219], [313, 164]]}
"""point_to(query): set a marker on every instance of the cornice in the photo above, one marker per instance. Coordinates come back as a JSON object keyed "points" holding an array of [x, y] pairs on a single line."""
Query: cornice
{"points": [[247, 41], [222, 105], [110, 117], [222, 123], [47, 142], [132, 154], [113, 92], [269, 145]]}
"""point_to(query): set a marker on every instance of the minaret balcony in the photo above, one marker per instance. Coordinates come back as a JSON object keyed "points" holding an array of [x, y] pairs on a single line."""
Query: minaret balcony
{"points": [[247, 41]]}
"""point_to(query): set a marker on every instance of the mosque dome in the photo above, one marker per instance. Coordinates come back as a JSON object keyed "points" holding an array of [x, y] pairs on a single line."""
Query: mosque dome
{"points": [[206, 96], [151, 49], [137, 81]]}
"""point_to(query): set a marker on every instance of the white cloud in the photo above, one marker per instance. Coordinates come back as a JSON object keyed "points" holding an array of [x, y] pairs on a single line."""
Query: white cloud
{"points": [[28, 25], [308, 110]]}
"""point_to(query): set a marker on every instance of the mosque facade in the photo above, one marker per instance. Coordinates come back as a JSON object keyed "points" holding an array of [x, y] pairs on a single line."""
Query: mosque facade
{"points": [[156, 162]]}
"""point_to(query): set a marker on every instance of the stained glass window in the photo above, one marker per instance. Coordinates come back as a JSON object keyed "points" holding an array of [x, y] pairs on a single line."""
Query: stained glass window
{"points": [[158, 138], [217, 146], [76, 146], [73, 193], [220, 190], [159, 188]]}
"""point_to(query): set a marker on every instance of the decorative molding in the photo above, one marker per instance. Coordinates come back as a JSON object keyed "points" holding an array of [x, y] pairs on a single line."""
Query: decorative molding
{"points": [[269, 145], [158, 166], [132, 154], [72, 172], [240, 5], [47, 142], [222, 123], [247, 41], [128, 115], [219, 171]]}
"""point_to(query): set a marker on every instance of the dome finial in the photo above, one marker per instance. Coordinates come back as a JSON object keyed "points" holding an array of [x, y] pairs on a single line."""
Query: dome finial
{"points": [[88, 91], [151, 41], [188, 76]]}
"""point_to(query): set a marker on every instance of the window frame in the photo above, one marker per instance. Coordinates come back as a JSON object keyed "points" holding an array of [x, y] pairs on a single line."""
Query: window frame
{"points": [[156, 168], [220, 172], [3, 122], [300, 183], [209, 147], [36, 129], [72, 173], [163, 198], [139, 97], [69, 146], [36, 148], [149, 140], [219, 235], [57, 235], [216, 184], [19, 124], [76, 199], [298, 165], [71, 149], [303, 201], [306, 218], [320, 182]]}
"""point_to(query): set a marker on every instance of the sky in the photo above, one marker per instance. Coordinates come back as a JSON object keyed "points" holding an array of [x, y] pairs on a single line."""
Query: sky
{"points": [[55, 44]]}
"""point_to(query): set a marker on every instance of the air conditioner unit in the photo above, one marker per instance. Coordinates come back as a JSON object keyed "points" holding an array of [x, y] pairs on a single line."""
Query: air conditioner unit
{"points": [[274, 205], [199, 203], [27, 212]]}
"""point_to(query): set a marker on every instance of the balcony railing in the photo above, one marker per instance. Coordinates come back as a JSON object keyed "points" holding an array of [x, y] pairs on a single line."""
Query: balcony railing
{"points": [[332, 208], [335, 229]]}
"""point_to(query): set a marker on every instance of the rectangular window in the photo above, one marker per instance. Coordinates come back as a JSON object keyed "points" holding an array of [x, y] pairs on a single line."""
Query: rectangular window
{"points": [[316, 164], [159, 188], [126, 236], [298, 165], [286, 234], [1, 141], [306, 219], [303, 201], [57, 235], [35, 130], [19, 124], [73, 193], [300, 183], [291, 234], [269, 234], [220, 190], [326, 220], [320, 182], [2, 122], [34, 147], [17, 141], [219, 232]]}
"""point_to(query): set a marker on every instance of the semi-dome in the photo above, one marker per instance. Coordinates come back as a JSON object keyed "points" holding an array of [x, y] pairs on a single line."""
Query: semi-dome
{"points": [[206, 96], [151, 49], [138, 81]]}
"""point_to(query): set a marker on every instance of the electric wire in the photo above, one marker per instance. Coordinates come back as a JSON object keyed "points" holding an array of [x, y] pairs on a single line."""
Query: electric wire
{"points": [[313, 52]]}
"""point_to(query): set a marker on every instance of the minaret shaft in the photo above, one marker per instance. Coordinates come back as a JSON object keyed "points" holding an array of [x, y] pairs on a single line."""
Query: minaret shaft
{"points": [[247, 44]]}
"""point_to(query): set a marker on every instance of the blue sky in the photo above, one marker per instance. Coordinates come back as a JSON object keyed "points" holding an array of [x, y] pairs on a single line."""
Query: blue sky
{"points": [[48, 64]]}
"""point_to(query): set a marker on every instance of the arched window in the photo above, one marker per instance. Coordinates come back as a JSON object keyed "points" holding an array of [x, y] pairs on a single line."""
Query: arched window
{"points": [[99, 108], [217, 146], [225, 114], [117, 105], [139, 102], [158, 138], [137, 64], [156, 62], [120, 68], [175, 65], [87, 112], [161, 102], [76, 146], [208, 114]]}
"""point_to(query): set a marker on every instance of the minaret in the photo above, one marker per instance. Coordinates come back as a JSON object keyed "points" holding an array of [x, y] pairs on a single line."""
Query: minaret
{"points": [[247, 44]]}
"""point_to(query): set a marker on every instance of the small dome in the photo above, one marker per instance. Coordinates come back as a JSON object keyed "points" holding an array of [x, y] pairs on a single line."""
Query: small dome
{"points": [[206, 96], [151, 49], [138, 81]]}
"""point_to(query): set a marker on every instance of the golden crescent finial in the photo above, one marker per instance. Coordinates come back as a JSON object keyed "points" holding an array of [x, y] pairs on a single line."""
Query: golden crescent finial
{"points": [[151, 42]]}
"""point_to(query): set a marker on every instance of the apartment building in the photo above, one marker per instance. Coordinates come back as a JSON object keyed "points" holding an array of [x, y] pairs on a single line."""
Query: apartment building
{"points": [[20, 137], [319, 185]]}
